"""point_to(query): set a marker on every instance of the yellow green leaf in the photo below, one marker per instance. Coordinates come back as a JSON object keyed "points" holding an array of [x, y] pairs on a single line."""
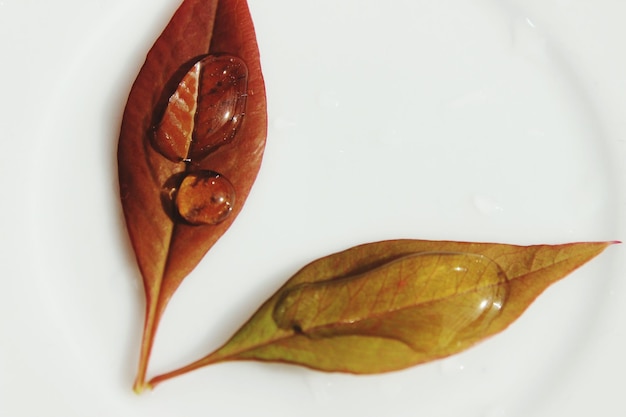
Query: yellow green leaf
{"points": [[389, 305]]}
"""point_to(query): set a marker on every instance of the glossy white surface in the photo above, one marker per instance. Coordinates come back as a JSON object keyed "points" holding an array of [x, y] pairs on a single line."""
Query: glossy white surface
{"points": [[485, 121]]}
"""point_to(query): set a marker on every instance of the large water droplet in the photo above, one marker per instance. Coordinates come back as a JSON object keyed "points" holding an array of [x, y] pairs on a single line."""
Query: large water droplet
{"points": [[221, 103], [205, 111], [205, 197], [431, 301], [173, 135]]}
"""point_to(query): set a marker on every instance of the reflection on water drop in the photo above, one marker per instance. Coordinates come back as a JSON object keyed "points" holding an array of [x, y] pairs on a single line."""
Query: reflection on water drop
{"points": [[205, 197], [205, 111], [431, 301]]}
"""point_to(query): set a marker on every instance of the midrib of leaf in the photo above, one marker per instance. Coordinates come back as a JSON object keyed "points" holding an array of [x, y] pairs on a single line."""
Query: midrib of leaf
{"points": [[153, 316]]}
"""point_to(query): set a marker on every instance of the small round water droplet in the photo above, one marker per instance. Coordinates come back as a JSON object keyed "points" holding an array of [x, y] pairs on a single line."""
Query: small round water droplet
{"points": [[487, 205], [205, 197], [321, 388], [452, 366]]}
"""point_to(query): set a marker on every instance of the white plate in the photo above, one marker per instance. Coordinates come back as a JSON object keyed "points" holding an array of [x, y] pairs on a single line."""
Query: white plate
{"points": [[483, 120]]}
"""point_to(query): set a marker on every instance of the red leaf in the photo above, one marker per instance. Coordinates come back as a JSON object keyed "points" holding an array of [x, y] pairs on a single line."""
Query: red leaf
{"points": [[167, 240]]}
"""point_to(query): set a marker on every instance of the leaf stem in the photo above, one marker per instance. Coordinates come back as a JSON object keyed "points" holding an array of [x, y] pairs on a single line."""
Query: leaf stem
{"points": [[207, 360], [151, 321]]}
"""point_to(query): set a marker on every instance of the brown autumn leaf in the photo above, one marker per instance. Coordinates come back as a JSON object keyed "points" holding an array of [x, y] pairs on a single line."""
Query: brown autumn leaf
{"points": [[389, 305], [190, 147]]}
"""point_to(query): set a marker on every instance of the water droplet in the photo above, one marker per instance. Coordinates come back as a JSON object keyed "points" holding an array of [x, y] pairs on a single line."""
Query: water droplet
{"points": [[221, 103], [205, 197], [487, 205], [452, 366], [205, 111], [430, 301], [172, 137]]}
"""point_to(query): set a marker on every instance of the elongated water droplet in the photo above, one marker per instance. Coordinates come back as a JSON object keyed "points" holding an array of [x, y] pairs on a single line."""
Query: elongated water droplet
{"points": [[205, 197], [221, 103], [428, 301], [205, 111], [172, 137]]}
